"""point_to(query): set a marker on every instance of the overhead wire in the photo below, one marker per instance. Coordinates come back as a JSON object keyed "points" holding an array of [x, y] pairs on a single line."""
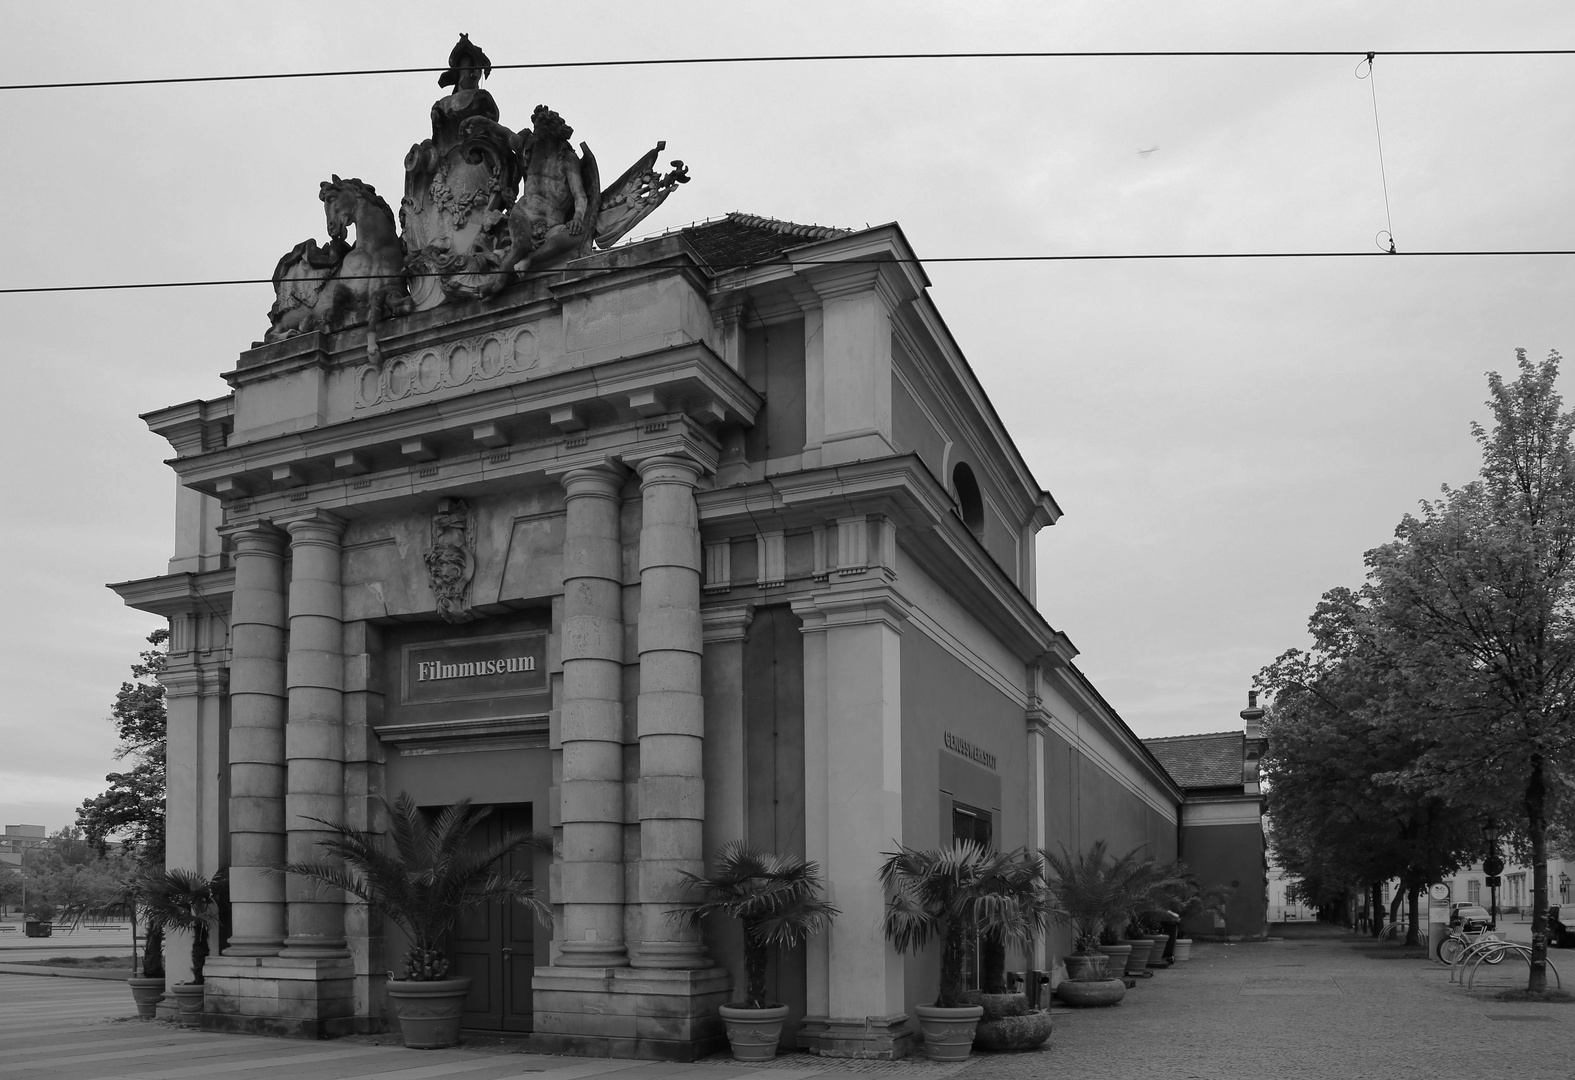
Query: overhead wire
{"points": [[787, 58], [953, 259]]}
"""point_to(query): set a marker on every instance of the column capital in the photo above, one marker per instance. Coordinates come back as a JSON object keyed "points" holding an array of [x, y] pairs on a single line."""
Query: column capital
{"points": [[730, 623], [591, 480], [313, 526], [670, 468], [255, 537]]}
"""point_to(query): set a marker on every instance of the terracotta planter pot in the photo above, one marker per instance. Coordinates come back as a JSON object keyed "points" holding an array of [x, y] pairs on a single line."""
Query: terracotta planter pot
{"points": [[188, 998], [1183, 949], [429, 1012], [753, 1033], [948, 1033], [1156, 957], [1090, 993], [1137, 961], [146, 993], [1022, 1032], [1088, 966], [1119, 954]]}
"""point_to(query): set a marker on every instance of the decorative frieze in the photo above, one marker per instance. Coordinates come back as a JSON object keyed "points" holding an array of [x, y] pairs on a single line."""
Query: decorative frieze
{"points": [[477, 359]]}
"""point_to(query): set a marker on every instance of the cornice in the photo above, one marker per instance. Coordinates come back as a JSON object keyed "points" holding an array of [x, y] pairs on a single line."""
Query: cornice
{"points": [[179, 594], [902, 489]]}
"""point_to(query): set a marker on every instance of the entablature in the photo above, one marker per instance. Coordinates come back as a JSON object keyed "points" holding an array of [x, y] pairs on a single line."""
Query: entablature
{"points": [[489, 434]]}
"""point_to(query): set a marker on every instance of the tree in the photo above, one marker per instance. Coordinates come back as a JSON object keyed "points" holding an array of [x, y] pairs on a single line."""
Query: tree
{"points": [[1341, 819], [132, 807], [10, 887], [1475, 600]]}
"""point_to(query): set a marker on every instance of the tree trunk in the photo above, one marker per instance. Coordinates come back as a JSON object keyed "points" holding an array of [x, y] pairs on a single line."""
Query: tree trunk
{"points": [[1378, 908], [1537, 826], [1412, 891]]}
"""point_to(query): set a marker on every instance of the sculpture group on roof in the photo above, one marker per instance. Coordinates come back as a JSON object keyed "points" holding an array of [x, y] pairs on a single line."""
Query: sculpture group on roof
{"points": [[483, 206]]}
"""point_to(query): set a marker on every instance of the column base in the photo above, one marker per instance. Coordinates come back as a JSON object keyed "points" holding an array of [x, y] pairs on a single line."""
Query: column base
{"points": [[297, 997], [671, 955], [629, 1013], [885, 1038]]}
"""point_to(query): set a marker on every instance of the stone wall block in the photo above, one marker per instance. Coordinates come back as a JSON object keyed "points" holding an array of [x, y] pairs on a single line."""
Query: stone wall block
{"points": [[249, 811], [593, 801], [311, 738], [588, 878], [671, 587], [591, 636], [672, 796], [670, 671], [256, 752], [671, 629], [672, 714], [599, 758]]}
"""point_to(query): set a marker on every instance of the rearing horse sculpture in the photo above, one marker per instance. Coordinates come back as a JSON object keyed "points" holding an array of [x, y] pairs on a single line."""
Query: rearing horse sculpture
{"points": [[318, 288]]}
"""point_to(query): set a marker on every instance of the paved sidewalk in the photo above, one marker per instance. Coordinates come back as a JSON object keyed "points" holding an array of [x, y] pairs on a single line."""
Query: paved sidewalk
{"points": [[1325, 1005], [1317, 1006]]}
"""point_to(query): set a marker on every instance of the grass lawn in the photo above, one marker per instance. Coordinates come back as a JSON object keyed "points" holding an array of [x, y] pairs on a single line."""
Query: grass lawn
{"points": [[94, 963]]}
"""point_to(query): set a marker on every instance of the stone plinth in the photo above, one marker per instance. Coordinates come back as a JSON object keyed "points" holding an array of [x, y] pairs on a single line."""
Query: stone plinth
{"points": [[658, 1013], [879, 1037], [297, 997]]}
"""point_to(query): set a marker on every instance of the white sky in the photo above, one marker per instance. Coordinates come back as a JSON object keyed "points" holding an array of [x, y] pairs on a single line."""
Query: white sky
{"points": [[1226, 438]]}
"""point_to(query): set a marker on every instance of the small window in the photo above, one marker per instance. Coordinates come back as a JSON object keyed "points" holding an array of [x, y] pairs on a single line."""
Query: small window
{"points": [[970, 504]]}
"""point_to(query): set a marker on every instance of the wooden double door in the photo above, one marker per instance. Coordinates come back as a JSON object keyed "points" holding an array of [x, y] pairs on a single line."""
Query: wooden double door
{"points": [[495, 944]]}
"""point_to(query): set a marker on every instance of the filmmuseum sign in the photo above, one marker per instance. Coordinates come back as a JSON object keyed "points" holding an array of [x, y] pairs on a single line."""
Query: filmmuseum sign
{"points": [[497, 666]]}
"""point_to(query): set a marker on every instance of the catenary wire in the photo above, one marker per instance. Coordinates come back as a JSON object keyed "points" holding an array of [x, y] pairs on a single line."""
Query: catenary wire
{"points": [[676, 61], [725, 266]]}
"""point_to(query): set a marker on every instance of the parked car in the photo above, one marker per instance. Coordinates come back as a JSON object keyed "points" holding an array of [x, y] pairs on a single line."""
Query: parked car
{"points": [[1460, 914], [1560, 936]]}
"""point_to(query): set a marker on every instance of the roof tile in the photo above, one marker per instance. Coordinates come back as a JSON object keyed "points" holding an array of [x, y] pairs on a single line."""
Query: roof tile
{"points": [[1213, 760]]}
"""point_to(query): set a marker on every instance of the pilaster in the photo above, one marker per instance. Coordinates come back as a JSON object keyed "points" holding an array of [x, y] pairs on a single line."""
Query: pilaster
{"points": [[853, 770]]}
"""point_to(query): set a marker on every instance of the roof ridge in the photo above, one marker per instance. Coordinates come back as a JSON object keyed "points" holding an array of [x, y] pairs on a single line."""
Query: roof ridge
{"points": [[788, 228], [1196, 735]]}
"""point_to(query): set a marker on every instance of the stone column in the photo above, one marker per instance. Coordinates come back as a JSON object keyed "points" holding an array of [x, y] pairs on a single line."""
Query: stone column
{"points": [[257, 714], [591, 723], [314, 736], [671, 709]]}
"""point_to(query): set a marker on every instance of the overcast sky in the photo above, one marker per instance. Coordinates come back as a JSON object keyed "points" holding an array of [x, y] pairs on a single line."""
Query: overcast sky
{"points": [[1226, 438]]}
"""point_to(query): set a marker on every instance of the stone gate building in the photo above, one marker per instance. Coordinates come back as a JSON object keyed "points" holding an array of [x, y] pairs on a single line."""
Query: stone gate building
{"points": [[709, 537]]}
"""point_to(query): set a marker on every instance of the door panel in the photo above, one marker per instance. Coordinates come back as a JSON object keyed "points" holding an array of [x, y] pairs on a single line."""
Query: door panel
{"points": [[494, 944]]}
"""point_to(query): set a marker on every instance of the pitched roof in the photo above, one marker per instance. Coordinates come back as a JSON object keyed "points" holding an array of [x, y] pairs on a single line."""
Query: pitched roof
{"points": [[745, 239], [1213, 760]]}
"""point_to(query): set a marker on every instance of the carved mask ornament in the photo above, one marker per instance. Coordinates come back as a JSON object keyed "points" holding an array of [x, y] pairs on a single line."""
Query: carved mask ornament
{"points": [[451, 561]]}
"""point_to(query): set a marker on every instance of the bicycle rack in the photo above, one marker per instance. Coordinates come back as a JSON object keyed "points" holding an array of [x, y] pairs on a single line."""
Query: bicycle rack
{"points": [[1506, 947]]}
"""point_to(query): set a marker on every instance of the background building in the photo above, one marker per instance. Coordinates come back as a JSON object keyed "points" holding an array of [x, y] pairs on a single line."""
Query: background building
{"points": [[1222, 838]]}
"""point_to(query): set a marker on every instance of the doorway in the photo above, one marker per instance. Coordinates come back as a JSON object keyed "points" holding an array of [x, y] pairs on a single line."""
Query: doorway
{"points": [[495, 944]]}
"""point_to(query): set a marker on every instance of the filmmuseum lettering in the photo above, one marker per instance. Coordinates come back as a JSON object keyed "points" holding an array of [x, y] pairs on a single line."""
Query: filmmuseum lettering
{"points": [[432, 670]]}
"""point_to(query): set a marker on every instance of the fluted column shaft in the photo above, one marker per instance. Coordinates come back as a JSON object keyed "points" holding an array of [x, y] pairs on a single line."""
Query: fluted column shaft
{"points": [[591, 723], [314, 735], [671, 710], [256, 752]]}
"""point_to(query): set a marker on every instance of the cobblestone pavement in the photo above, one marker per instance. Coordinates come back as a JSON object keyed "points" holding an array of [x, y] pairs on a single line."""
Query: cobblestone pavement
{"points": [[1317, 1005]]}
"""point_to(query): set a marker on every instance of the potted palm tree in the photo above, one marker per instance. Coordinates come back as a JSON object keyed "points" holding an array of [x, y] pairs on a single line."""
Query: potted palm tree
{"points": [[177, 899], [777, 900], [1087, 896], [951, 896], [422, 882]]}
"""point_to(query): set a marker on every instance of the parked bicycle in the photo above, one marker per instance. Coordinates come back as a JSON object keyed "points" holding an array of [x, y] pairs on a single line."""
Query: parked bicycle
{"points": [[1472, 937]]}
